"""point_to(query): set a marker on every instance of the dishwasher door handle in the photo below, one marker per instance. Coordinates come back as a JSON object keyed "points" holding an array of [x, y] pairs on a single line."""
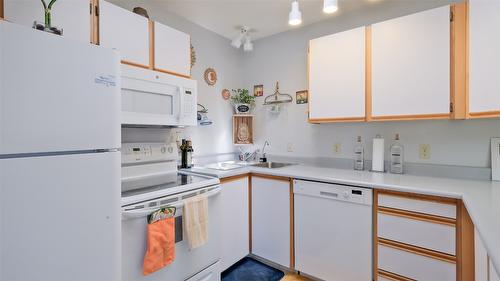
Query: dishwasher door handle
{"points": [[329, 194]]}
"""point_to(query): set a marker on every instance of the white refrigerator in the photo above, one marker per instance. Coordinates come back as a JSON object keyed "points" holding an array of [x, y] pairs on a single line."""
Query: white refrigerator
{"points": [[59, 158]]}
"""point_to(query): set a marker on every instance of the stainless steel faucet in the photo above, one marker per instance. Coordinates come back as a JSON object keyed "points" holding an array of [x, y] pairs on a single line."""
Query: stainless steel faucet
{"points": [[264, 159]]}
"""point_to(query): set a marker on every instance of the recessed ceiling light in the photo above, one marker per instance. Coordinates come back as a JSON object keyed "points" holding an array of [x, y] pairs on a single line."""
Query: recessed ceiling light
{"points": [[330, 6], [295, 16]]}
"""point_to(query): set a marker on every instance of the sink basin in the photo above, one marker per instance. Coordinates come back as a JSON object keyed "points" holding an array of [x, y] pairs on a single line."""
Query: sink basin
{"points": [[272, 165]]}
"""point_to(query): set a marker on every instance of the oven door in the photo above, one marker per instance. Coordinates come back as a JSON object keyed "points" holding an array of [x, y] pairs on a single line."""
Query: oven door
{"points": [[187, 262]]}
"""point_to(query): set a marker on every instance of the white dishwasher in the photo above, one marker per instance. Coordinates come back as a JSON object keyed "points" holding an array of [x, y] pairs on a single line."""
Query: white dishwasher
{"points": [[333, 231]]}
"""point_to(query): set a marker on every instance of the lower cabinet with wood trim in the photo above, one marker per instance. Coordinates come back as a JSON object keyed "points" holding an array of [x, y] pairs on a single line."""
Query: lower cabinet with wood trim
{"points": [[235, 219], [419, 237], [272, 229]]}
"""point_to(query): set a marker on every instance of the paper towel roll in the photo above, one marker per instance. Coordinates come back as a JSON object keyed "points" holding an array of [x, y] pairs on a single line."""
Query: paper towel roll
{"points": [[378, 154]]}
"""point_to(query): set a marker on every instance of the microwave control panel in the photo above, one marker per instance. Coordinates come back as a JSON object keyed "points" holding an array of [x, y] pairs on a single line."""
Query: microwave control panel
{"points": [[135, 153]]}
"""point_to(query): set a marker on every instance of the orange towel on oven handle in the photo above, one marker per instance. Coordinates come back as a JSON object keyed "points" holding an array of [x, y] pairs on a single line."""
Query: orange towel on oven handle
{"points": [[161, 245]]}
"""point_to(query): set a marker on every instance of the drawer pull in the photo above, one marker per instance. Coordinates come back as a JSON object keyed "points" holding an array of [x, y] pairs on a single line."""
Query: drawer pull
{"points": [[393, 276], [417, 216], [417, 250]]}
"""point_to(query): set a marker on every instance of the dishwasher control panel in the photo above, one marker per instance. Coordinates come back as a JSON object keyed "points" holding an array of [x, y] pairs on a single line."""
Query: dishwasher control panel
{"points": [[347, 193]]}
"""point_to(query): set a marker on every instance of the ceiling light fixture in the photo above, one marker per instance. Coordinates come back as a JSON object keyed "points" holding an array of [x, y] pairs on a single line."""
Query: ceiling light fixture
{"points": [[239, 39], [248, 46], [295, 16], [330, 6], [243, 36]]}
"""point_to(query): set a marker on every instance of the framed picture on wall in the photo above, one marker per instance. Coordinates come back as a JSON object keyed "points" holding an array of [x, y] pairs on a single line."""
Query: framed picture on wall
{"points": [[258, 90], [302, 97]]}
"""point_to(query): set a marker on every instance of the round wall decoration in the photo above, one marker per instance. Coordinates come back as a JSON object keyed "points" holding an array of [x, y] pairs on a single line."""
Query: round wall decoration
{"points": [[226, 94], [210, 76]]}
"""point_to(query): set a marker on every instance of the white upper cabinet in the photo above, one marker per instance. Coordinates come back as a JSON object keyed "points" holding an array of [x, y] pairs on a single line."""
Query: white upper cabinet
{"points": [[73, 16], [172, 51], [337, 77], [125, 31], [411, 66], [484, 58]]}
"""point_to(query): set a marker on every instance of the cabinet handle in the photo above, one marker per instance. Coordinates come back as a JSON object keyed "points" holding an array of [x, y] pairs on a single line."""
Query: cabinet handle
{"points": [[329, 194]]}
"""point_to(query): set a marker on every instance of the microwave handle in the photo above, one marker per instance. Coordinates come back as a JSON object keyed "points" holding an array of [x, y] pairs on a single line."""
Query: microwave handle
{"points": [[181, 103]]}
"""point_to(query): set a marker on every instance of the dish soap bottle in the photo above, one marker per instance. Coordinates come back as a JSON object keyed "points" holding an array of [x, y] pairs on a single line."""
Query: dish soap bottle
{"points": [[397, 156], [359, 155]]}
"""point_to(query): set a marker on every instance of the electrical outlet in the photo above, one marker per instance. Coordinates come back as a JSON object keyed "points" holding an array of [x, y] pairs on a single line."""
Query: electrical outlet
{"points": [[424, 151], [289, 147], [337, 148]]}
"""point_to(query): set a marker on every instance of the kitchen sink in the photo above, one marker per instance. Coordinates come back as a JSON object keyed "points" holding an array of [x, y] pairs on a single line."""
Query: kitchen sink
{"points": [[272, 165]]}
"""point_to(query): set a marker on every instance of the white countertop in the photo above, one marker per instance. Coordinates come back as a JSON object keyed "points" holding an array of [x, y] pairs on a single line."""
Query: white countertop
{"points": [[481, 198]]}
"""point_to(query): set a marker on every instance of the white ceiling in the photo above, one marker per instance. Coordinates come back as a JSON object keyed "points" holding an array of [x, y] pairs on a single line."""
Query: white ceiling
{"points": [[266, 17]]}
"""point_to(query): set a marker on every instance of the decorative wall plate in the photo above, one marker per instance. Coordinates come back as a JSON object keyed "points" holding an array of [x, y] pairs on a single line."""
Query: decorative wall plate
{"points": [[210, 76], [226, 94]]}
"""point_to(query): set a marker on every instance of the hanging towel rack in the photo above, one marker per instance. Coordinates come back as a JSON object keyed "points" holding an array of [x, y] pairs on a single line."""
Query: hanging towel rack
{"points": [[277, 97]]}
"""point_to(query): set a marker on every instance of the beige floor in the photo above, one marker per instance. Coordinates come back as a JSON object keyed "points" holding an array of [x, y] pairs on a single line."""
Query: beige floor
{"points": [[294, 277]]}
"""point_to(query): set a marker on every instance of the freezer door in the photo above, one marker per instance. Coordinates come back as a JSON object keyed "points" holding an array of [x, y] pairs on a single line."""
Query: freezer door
{"points": [[60, 218], [56, 94]]}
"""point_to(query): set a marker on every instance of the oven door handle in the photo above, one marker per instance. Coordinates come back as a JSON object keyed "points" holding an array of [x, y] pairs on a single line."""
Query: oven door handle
{"points": [[131, 214]]}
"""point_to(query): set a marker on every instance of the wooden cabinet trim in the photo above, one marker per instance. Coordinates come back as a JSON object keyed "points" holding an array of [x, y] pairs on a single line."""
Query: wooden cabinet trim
{"points": [[1, 10], [411, 117], [249, 213], [393, 276], [94, 22], [151, 30], [375, 234], [292, 226], [416, 196], [459, 60], [417, 216], [234, 178], [338, 119], [485, 114], [134, 64], [270, 177], [465, 245], [417, 250]]}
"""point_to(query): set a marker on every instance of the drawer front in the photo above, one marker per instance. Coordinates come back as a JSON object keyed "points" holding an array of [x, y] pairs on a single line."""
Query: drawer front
{"points": [[433, 236], [417, 205], [415, 266]]}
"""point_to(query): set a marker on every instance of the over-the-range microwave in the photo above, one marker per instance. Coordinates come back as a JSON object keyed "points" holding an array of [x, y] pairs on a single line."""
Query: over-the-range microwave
{"points": [[151, 98]]}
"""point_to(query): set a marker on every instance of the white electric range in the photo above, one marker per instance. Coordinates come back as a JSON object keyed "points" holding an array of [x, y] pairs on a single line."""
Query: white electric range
{"points": [[150, 180]]}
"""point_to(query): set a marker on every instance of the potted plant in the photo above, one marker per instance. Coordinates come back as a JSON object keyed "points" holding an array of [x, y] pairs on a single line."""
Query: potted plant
{"points": [[47, 25], [242, 101]]}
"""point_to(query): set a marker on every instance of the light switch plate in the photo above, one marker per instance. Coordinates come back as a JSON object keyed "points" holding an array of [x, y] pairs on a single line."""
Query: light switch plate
{"points": [[495, 159]]}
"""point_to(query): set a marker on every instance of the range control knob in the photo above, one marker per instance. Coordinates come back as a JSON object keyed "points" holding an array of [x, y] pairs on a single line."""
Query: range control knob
{"points": [[170, 149], [163, 150]]}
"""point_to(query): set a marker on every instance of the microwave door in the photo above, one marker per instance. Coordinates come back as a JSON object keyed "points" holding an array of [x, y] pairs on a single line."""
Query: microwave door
{"points": [[148, 103]]}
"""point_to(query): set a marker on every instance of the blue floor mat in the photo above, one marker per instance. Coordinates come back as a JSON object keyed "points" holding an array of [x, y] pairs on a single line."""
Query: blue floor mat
{"points": [[251, 270]]}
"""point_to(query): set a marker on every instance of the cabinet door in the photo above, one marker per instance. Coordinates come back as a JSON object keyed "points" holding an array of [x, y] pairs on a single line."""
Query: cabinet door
{"points": [[337, 77], [411, 66], [271, 219], [494, 276], [72, 16], [235, 221], [484, 91], [172, 50], [125, 31]]}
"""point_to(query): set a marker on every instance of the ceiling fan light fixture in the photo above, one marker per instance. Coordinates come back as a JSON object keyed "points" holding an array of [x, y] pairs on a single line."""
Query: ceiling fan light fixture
{"points": [[330, 6], [237, 41], [295, 16], [248, 46]]}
